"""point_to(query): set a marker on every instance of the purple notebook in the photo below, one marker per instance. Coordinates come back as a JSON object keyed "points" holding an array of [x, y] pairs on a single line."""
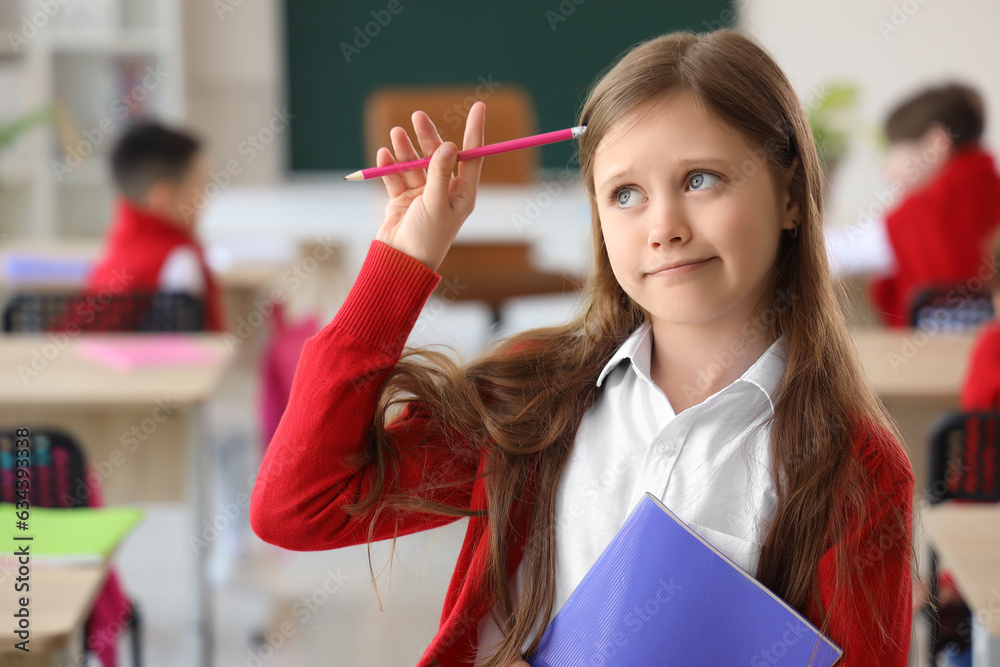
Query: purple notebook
{"points": [[659, 594]]}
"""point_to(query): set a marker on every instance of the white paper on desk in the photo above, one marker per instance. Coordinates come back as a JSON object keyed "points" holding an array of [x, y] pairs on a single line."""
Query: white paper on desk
{"points": [[860, 248]]}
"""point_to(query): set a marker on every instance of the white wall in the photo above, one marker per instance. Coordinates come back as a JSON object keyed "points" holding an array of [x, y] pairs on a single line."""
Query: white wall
{"points": [[234, 63], [890, 49]]}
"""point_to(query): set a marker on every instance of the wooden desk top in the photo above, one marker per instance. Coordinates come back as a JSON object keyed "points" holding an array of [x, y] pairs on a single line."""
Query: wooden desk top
{"points": [[69, 380], [60, 599], [912, 364], [967, 538]]}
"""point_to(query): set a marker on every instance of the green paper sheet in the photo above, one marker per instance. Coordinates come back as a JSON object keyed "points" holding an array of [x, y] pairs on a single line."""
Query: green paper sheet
{"points": [[80, 534]]}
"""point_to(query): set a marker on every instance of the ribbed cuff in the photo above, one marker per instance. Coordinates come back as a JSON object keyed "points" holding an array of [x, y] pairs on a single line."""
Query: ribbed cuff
{"points": [[386, 299]]}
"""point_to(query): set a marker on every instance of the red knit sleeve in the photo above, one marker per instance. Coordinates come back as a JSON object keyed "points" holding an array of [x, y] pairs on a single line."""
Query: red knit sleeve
{"points": [[305, 480], [882, 551]]}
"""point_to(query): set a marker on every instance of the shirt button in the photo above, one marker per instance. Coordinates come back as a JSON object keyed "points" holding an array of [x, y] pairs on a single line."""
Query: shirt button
{"points": [[665, 446]]}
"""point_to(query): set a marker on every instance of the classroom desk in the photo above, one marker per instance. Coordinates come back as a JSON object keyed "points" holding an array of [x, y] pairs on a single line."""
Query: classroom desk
{"points": [[242, 266], [967, 539], [104, 408], [61, 599], [919, 377], [101, 406]]}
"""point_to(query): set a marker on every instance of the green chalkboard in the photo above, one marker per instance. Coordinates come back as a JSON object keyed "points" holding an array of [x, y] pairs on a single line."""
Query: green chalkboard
{"points": [[338, 51]]}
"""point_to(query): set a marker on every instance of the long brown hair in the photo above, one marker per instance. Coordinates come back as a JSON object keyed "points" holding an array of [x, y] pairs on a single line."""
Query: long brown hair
{"points": [[519, 404]]}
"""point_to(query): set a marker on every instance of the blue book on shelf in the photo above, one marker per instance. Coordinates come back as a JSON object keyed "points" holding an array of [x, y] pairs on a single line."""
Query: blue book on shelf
{"points": [[661, 595]]}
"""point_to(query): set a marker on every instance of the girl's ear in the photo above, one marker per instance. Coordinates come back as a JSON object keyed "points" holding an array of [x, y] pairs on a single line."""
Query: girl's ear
{"points": [[790, 209]]}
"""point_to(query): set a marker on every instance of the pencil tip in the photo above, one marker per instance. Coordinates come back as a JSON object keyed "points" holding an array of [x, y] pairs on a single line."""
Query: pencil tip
{"points": [[344, 178]]}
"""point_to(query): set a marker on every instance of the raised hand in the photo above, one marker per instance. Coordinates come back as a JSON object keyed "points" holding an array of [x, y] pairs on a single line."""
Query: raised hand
{"points": [[426, 209]]}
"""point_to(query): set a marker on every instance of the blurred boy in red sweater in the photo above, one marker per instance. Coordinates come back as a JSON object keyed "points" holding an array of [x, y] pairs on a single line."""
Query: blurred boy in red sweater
{"points": [[151, 245], [949, 197]]}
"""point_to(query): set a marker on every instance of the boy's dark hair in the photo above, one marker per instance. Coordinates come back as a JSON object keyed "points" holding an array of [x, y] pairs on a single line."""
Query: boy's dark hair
{"points": [[956, 106], [149, 152]]}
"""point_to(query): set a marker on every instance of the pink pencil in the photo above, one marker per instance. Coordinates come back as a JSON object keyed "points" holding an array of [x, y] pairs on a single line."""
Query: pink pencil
{"points": [[482, 151]]}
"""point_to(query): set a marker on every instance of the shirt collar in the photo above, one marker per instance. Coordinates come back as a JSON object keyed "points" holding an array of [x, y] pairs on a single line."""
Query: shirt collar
{"points": [[765, 373]]}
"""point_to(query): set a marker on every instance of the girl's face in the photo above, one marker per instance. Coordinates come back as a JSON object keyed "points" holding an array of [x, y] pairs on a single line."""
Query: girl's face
{"points": [[695, 194]]}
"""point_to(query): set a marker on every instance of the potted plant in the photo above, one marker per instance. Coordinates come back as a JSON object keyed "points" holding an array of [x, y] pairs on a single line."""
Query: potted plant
{"points": [[830, 117]]}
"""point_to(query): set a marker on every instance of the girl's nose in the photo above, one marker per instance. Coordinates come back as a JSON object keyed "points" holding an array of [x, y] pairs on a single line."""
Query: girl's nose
{"points": [[669, 224]]}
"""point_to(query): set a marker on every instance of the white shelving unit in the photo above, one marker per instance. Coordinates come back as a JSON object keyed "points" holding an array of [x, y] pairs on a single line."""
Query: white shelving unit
{"points": [[104, 64]]}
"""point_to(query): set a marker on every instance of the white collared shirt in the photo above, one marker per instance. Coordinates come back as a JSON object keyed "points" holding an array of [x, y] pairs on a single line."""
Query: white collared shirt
{"points": [[710, 465], [181, 272]]}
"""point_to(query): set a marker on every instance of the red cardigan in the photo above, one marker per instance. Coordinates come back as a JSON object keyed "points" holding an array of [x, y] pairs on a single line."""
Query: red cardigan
{"points": [[981, 390], [138, 244], [303, 482], [940, 233]]}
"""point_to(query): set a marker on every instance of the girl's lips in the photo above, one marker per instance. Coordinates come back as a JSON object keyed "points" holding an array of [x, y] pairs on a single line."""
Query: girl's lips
{"points": [[687, 268]]}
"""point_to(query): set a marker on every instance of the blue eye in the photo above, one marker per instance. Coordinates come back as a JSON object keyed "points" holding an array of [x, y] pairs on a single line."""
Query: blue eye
{"points": [[616, 197], [697, 180]]}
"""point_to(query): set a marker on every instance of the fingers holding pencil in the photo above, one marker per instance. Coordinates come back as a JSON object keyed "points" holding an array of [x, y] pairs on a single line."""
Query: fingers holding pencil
{"points": [[403, 152], [471, 153], [395, 184], [429, 140], [427, 134], [469, 170], [426, 209]]}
